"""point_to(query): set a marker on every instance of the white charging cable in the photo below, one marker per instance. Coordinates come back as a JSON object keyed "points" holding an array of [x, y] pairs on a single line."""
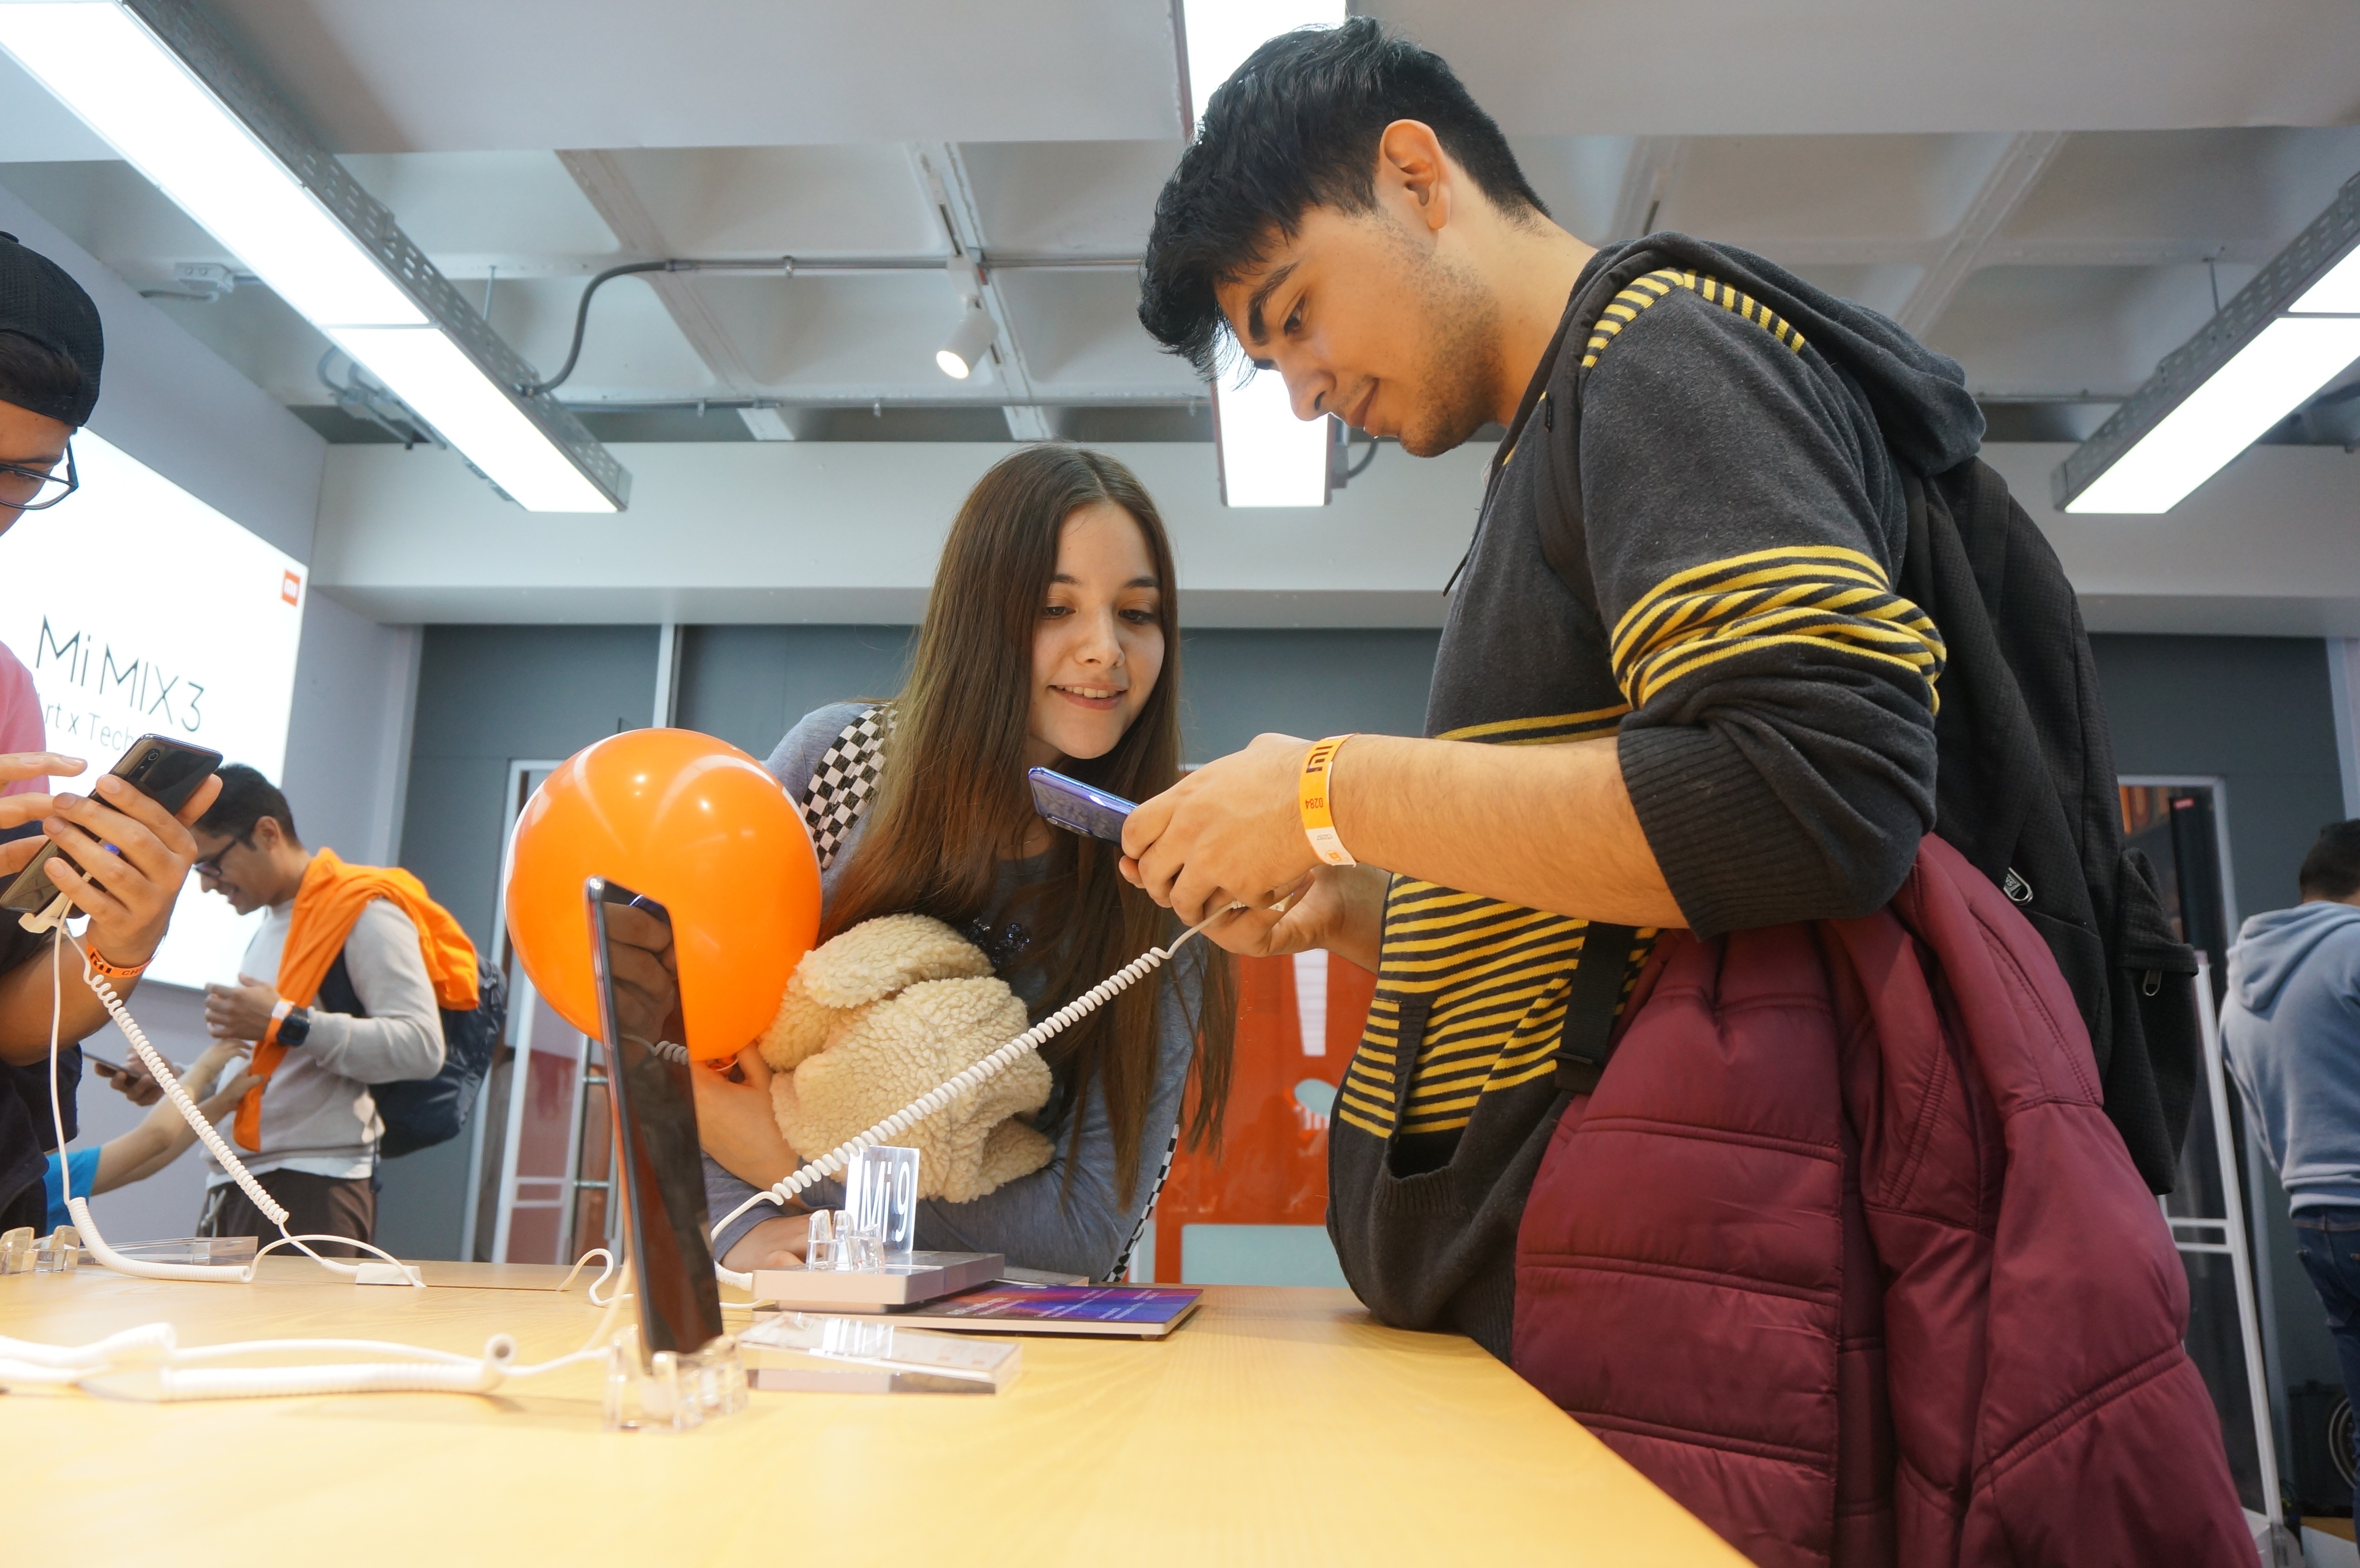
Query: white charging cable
{"points": [[178, 1373], [979, 1071]]}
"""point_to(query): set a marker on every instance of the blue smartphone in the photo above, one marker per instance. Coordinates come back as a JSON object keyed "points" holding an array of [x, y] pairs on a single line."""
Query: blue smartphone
{"points": [[1077, 807]]}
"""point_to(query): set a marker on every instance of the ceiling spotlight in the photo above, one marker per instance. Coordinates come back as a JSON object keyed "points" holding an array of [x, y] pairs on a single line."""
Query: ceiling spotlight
{"points": [[960, 357]]}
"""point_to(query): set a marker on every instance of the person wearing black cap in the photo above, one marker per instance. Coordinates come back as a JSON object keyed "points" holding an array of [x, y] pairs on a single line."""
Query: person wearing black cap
{"points": [[52, 349]]}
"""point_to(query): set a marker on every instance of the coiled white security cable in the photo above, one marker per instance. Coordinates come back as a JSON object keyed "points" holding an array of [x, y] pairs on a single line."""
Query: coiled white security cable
{"points": [[979, 1071], [161, 1071]]}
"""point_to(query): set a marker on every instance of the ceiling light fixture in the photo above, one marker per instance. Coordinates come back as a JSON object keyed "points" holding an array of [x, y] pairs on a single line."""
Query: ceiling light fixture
{"points": [[2285, 336], [156, 82], [1268, 457], [970, 341]]}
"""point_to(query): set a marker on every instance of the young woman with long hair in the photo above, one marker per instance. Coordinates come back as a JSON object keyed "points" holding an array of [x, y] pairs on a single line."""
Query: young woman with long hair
{"points": [[1052, 638]]}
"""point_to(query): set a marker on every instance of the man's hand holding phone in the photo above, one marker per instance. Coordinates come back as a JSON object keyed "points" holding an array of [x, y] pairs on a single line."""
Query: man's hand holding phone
{"points": [[1230, 834], [129, 894]]}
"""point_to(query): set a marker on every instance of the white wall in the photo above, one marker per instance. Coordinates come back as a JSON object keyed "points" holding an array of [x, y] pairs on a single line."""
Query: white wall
{"points": [[849, 533], [2268, 547]]}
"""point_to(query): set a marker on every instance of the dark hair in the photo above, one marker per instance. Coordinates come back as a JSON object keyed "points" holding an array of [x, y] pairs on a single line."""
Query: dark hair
{"points": [[952, 799], [246, 798], [2332, 869], [35, 375], [1297, 127]]}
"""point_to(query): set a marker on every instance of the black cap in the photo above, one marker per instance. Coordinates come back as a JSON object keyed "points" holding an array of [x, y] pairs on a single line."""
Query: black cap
{"points": [[39, 299]]}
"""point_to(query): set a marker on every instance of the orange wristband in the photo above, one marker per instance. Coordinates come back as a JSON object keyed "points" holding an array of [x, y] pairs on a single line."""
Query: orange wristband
{"points": [[106, 971], [1316, 800]]}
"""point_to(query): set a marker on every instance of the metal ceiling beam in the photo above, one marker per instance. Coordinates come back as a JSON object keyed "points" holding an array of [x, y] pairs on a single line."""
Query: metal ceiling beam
{"points": [[2002, 190], [942, 175]]}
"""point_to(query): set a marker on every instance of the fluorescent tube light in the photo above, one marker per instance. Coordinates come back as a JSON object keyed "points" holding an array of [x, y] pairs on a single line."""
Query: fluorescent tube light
{"points": [[153, 80], [1268, 457], [2286, 335], [1221, 33], [446, 389], [2269, 379], [99, 61], [2337, 294]]}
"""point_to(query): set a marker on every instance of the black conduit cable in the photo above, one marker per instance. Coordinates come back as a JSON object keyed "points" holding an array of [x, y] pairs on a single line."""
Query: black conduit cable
{"points": [[789, 265], [582, 320]]}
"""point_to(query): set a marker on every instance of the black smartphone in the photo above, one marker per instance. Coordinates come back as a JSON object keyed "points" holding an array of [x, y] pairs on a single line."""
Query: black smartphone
{"points": [[167, 771], [661, 1170]]}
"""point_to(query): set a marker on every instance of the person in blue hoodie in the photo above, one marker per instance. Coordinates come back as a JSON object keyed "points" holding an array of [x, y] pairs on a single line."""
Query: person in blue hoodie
{"points": [[2290, 1030]]}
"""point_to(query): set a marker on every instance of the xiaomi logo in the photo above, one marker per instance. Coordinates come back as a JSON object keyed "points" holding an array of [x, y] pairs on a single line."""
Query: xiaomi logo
{"points": [[291, 588]]}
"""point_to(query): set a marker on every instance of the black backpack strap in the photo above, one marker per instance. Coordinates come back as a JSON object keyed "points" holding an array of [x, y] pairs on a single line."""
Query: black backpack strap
{"points": [[337, 993], [846, 781], [1589, 1006]]}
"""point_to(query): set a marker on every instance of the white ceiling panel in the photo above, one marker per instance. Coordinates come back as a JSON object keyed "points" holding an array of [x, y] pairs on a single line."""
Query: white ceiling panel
{"points": [[1088, 197], [1826, 190], [1579, 179], [1738, 67], [464, 76], [854, 335], [2051, 331], [803, 201], [1080, 332], [633, 348], [2181, 195], [471, 210]]}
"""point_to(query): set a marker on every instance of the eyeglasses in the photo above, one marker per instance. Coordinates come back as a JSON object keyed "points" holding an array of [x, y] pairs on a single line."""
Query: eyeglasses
{"points": [[27, 489], [212, 868]]}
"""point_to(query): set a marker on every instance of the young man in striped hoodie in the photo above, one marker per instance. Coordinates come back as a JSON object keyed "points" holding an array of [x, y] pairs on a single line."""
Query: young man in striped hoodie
{"points": [[1716, 712]]}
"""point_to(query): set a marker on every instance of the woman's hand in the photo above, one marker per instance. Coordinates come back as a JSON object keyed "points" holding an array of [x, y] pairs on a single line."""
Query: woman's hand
{"points": [[774, 1243], [1339, 908], [128, 893], [736, 1123]]}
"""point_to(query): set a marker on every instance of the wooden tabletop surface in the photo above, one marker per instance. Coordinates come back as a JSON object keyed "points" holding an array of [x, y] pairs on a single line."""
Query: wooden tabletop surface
{"points": [[1277, 1426]]}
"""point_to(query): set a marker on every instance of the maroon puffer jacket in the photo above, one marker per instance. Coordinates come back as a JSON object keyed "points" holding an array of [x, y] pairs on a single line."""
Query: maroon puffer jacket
{"points": [[1844, 1255]]}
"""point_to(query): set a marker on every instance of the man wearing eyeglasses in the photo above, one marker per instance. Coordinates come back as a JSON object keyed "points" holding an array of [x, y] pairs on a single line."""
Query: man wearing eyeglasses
{"points": [[52, 348]]}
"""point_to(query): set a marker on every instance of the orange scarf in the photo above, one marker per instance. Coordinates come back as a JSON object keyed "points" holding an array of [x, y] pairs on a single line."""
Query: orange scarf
{"points": [[327, 906]]}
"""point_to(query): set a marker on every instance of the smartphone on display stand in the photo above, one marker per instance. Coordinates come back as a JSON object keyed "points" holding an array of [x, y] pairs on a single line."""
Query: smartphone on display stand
{"points": [[661, 1205], [1076, 807], [167, 771]]}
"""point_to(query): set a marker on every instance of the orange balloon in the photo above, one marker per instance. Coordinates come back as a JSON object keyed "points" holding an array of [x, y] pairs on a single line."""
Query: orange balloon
{"points": [[701, 828]]}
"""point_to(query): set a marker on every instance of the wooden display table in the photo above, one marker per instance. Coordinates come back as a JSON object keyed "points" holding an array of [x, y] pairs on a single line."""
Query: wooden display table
{"points": [[1278, 1426]]}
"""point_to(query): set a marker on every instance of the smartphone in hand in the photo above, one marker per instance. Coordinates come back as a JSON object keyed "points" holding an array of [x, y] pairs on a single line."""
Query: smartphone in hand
{"points": [[1076, 807], [167, 771]]}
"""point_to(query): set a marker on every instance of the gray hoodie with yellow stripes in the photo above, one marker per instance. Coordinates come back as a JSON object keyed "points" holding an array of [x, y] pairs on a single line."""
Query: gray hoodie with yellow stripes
{"points": [[1743, 520]]}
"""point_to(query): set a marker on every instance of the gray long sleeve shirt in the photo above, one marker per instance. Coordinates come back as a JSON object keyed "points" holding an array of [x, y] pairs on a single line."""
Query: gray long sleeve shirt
{"points": [[1077, 1225], [317, 1112]]}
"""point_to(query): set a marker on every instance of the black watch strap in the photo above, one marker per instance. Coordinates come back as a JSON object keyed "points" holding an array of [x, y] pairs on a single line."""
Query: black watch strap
{"points": [[296, 1026]]}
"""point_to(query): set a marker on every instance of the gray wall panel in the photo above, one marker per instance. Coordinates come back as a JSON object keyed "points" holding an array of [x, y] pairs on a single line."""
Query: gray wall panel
{"points": [[487, 695]]}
